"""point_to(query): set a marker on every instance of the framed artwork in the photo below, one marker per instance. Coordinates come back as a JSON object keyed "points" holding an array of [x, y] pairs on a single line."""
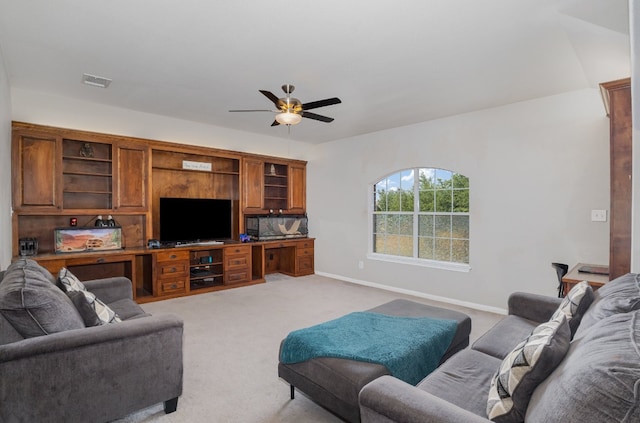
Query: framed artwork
{"points": [[74, 240]]}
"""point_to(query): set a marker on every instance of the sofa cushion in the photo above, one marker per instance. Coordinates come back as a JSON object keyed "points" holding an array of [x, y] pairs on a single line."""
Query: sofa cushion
{"points": [[69, 282], [599, 379], [575, 304], [8, 334], [525, 367], [87, 312], [620, 295], [127, 309], [33, 304], [462, 380], [504, 336]]}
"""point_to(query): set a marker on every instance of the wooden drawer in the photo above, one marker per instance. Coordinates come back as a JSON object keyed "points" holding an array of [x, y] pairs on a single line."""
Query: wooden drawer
{"points": [[304, 265], [238, 249], [237, 276], [235, 261], [172, 286], [170, 269], [237, 258], [307, 243], [302, 252], [172, 255]]}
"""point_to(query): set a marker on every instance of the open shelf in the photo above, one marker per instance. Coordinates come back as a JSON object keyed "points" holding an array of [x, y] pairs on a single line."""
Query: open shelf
{"points": [[206, 269], [87, 175]]}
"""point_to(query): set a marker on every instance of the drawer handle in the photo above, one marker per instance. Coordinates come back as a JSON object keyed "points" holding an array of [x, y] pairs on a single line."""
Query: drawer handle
{"points": [[100, 260], [173, 256], [174, 286], [173, 270]]}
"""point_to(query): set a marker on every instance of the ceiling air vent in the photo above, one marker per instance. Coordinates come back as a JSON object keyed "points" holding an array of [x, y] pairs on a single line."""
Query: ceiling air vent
{"points": [[96, 81]]}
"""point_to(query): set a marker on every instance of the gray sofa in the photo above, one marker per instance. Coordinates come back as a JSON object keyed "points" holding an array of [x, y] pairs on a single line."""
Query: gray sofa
{"points": [[595, 376], [55, 369]]}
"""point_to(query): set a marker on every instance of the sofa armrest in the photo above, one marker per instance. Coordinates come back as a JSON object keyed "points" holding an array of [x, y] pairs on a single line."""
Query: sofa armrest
{"points": [[388, 399], [113, 365], [110, 290], [538, 308]]}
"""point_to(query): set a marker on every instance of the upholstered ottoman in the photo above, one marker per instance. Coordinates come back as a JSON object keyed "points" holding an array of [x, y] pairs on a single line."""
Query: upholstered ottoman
{"points": [[334, 383]]}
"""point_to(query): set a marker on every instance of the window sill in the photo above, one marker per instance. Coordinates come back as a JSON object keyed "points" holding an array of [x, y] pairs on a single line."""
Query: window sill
{"points": [[456, 267]]}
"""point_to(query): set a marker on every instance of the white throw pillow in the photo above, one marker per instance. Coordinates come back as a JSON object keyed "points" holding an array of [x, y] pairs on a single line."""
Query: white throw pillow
{"points": [[575, 304], [70, 282], [524, 368]]}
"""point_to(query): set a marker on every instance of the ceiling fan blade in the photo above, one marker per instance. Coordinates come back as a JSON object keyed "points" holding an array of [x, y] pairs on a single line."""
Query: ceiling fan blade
{"points": [[271, 96], [252, 110], [315, 116], [275, 123], [321, 103]]}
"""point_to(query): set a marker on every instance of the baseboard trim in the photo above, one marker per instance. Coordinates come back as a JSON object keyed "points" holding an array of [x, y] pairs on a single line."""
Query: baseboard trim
{"points": [[447, 300]]}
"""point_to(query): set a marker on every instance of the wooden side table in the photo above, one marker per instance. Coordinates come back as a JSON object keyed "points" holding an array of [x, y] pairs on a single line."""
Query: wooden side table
{"points": [[575, 276]]}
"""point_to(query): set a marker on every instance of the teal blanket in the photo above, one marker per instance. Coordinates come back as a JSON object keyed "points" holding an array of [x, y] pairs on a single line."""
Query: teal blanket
{"points": [[409, 347]]}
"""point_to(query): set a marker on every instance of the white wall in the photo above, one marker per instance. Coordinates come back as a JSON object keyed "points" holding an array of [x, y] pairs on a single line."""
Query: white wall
{"points": [[44, 109], [5, 167], [536, 170]]}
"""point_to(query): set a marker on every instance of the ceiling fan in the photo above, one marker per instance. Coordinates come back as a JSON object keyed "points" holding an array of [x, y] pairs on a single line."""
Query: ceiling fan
{"points": [[290, 111]]}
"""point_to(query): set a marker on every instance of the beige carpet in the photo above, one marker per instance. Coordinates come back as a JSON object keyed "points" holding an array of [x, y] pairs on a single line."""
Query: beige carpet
{"points": [[231, 345]]}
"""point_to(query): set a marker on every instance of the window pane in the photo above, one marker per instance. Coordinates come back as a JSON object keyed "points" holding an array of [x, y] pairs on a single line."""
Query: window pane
{"points": [[443, 249], [461, 200], [460, 181], [380, 196], [393, 200], [393, 192], [443, 179], [460, 227], [380, 223], [406, 203], [392, 223], [406, 190], [427, 201], [405, 225], [443, 201], [427, 178], [378, 243], [460, 251], [425, 247], [443, 226], [425, 226], [405, 246]]}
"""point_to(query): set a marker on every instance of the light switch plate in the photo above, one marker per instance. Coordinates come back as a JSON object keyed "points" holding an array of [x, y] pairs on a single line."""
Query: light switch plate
{"points": [[598, 215]]}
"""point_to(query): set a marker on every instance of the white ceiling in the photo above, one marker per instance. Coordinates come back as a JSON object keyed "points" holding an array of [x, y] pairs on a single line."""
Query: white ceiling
{"points": [[392, 63]]}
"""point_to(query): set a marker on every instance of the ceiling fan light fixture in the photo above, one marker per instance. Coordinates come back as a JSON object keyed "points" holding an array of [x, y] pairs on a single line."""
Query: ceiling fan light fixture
{"points": [[288, 118]]}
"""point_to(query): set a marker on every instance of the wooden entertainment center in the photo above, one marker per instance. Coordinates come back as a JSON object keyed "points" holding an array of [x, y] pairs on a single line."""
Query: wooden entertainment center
{"points": [[62, 174]]}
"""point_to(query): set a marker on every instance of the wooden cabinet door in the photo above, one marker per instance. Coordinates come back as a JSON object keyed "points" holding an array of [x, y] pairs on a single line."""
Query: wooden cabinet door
{"points": [[253, 185], [619, 96], [132, 163], [297, 188], [36, 161]]}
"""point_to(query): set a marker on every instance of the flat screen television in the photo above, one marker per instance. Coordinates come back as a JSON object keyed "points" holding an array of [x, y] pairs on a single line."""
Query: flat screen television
{"points": [[195, 219]]}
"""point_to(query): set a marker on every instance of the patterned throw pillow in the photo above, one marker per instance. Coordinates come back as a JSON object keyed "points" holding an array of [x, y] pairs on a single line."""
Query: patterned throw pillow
{"points": [[575, 304], [69, 282], [526, 366]]}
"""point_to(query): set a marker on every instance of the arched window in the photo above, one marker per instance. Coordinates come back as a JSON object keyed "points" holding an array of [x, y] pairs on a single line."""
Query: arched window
{"points": [[423, 214]]}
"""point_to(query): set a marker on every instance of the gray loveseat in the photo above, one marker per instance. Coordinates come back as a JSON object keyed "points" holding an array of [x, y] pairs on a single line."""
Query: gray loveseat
{"points": [[596, 377], [54, 369]]}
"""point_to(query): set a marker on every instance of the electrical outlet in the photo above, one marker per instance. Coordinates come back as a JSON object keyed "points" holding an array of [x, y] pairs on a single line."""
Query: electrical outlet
{"points": [[361, 264], [598, 215]]}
